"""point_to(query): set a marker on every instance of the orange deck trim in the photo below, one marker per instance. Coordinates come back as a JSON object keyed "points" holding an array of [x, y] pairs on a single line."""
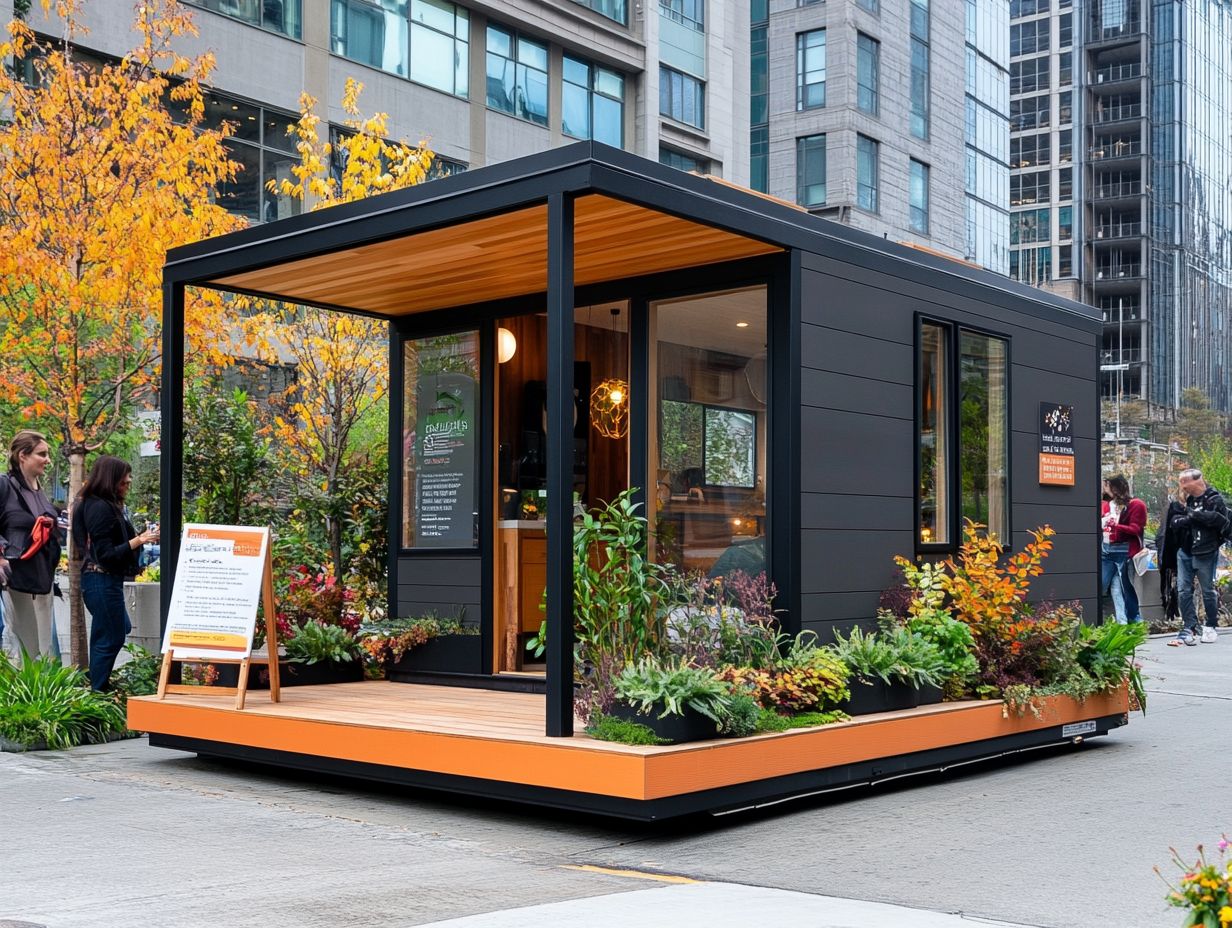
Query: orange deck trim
{"points": [[498, 736]]}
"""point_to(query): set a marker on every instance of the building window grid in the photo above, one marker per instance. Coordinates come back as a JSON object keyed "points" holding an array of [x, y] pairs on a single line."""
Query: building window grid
{"points": [[868, 74], [1030, 188], [1030, 37], [811, 69], [921, 68], [592, 102], [811, 171], [682, 97], [1029, 75], [691, 13], [440, 46], [517, 75], [376, 34], [614, 10], [1030, 226], [285, 17]]}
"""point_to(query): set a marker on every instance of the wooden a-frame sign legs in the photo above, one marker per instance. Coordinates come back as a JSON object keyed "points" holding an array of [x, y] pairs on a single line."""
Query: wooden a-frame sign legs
{"points": [[241, 690]]}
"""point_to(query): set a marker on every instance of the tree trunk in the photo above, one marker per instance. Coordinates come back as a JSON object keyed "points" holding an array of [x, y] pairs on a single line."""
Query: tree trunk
{"points": [[76, 613]]}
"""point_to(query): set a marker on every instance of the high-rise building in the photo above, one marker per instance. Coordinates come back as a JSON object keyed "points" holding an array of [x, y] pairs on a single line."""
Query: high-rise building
{"points": [[1121, 186], [1044, 224], [856, 116], [481, 81]]}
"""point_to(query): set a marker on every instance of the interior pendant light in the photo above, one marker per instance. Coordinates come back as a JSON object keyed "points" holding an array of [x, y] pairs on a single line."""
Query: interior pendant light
{"points": [[609, 402]]}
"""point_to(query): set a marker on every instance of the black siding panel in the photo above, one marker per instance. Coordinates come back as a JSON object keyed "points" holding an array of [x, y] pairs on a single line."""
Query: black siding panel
{"points": [[850, 561], [827, 390], [430, 570], [825, 349], [843, 452], [875, 513]]}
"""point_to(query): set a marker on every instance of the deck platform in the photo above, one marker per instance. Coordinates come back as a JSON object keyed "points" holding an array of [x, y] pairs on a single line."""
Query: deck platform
{"points": [[491, 743]]}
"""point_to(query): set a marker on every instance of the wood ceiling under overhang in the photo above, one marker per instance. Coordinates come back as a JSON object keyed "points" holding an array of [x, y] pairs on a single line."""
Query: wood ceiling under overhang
{"points": [[496, 257]]}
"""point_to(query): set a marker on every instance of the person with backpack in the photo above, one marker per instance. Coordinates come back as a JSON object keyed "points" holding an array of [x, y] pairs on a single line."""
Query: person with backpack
{"points": [[1201, 529], [29, 548]]}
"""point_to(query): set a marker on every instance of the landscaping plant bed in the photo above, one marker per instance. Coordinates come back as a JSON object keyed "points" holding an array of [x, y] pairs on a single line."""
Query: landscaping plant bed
{"points": [[869, 695], [442, 654], [690, 725]]}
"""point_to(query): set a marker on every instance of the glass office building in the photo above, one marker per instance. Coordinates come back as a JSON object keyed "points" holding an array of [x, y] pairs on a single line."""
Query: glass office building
{"points": [[987, 103]]}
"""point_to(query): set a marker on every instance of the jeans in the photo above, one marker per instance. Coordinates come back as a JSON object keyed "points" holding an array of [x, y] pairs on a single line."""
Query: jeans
{"points": [[109, 625], [1114, 559], [1203, 567]]}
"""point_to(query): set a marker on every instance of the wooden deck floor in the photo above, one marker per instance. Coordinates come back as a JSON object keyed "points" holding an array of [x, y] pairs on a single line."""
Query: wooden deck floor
{"points": [[495, 736]]}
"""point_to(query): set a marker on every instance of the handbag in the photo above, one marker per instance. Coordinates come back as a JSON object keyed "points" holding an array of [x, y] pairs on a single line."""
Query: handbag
{"points": [[1146, 560]]}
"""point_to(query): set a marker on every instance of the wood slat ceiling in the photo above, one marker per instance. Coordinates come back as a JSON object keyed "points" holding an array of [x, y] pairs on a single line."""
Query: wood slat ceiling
{"points": [[497, 257]]}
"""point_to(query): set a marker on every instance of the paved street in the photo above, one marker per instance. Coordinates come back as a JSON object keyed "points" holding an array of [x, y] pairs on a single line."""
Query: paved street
{"points": [[123, 834]]}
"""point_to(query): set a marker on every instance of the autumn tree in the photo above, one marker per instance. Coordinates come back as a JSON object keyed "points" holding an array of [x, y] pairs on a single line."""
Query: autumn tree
{"points": [[104, 168], [341, 359]]}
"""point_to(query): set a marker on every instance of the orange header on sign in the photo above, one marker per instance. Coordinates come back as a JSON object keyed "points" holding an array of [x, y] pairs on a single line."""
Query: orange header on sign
{"points": [[1056, 470], [247, 544]]}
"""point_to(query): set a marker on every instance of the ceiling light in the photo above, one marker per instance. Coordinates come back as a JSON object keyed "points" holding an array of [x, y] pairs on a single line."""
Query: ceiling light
{"points": [[742, 325]]}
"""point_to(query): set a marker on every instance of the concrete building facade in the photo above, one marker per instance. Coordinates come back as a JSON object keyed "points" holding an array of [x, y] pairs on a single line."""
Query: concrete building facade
{"points": [[481, 81]]}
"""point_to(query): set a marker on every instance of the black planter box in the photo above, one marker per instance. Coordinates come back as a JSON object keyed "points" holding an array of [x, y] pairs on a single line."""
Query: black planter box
{"points": [[443, 654], [293, 673], [690, 726], [930, 695], [870, 695]]}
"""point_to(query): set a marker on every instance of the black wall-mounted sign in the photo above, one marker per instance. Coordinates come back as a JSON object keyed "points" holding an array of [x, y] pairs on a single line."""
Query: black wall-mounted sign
{"points": [[1056, 453]]}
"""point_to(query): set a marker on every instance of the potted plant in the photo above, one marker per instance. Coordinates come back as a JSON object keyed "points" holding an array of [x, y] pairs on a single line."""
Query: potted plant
{"points": [[887, 670], [675, 701], [318, 654], [424, 644]]}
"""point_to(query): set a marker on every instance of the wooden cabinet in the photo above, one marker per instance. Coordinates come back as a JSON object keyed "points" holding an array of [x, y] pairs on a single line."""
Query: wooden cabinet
{"points": [[521, 579]]}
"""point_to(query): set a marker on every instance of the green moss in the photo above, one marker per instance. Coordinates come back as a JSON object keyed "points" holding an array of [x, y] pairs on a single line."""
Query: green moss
{"points": [[769, 720], [605, 728]]}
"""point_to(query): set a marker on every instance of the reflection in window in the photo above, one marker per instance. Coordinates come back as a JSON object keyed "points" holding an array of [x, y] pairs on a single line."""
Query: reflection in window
{"points": [[593, 102], [868, 74], [440, 439], [811, 69], [440, 53], [934, 434], [276, 15], [682, 97], [708, 442], [983, 432], [811, 170], [374, 34], [918, 194], [517, 75], [867, 170]]}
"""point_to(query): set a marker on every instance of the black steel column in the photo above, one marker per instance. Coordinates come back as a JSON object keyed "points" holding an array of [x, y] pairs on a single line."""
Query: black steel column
{"points": [[560, 467], [171, 437]]}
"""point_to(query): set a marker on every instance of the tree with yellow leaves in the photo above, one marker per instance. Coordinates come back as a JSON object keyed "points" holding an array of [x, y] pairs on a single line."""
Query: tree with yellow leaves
{"points": [[341, 360], [102, 169]]}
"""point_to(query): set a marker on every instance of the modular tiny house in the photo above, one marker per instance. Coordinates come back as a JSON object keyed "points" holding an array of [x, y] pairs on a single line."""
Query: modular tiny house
{"points": [[782, 393]]}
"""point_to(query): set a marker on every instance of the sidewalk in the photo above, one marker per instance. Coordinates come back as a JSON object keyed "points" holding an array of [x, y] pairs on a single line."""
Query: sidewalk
{"points": [[717, 905]]}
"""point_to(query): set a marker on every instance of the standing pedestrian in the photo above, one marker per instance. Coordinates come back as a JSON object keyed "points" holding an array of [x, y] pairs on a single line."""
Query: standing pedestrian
{"points": [[29, 548], [1203, 524], [1168, 541], [108, 545], [1123, 522]]}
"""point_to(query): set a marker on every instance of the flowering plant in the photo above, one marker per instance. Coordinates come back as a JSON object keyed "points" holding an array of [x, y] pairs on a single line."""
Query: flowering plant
{"points": [[386, 642], [316, 596], [1205, 889]]}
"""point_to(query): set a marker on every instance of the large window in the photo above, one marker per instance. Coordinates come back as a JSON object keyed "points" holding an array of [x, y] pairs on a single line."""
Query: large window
{"points": [[691, 13], [1030, 226], [374, 34], [1029, 75], [983, 432], [441, 429], [612, 9], [920, 67], [868, 74], [978, 445], [934, 434], [440, 49], [259, 143], [919, 197], [276, 15], [811, 69], [683, 162], [517, 75], [682, 97], [593, 102], [709, 443], [867, 173], [811, 170]]}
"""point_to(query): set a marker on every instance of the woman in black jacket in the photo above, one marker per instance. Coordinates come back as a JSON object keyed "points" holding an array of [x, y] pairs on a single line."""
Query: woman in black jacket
{"points": [[108, 546], [29, 548]]}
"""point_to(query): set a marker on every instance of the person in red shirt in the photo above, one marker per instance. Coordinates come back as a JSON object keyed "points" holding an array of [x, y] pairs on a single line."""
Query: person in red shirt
{"points": [[1122, 520]]}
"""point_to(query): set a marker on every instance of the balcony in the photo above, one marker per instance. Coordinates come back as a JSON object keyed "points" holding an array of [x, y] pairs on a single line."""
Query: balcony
{"points": [[1121, 190], [1118, 230], [1117, 113], [1114, 32], [1116, 74], [1118, 271], [1113, 151]]}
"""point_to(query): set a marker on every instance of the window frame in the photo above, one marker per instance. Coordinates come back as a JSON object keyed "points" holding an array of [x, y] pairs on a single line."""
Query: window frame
{"points": [[516, 39], [952, 332], [802, 143], [875, 186], [912, 207], [592, 90], [802, 48], [700, 85], [866, 44]]}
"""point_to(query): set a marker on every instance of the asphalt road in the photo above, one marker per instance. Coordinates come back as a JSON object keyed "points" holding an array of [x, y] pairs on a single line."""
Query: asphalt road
{"points": [[123, 834]]}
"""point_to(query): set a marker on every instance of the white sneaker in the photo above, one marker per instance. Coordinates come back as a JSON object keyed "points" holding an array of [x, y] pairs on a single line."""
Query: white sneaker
{"points": [[1209, 635]]}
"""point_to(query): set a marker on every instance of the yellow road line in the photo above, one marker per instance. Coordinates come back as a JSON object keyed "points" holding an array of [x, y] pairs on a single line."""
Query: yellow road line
{"points": [[632, 874]]}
